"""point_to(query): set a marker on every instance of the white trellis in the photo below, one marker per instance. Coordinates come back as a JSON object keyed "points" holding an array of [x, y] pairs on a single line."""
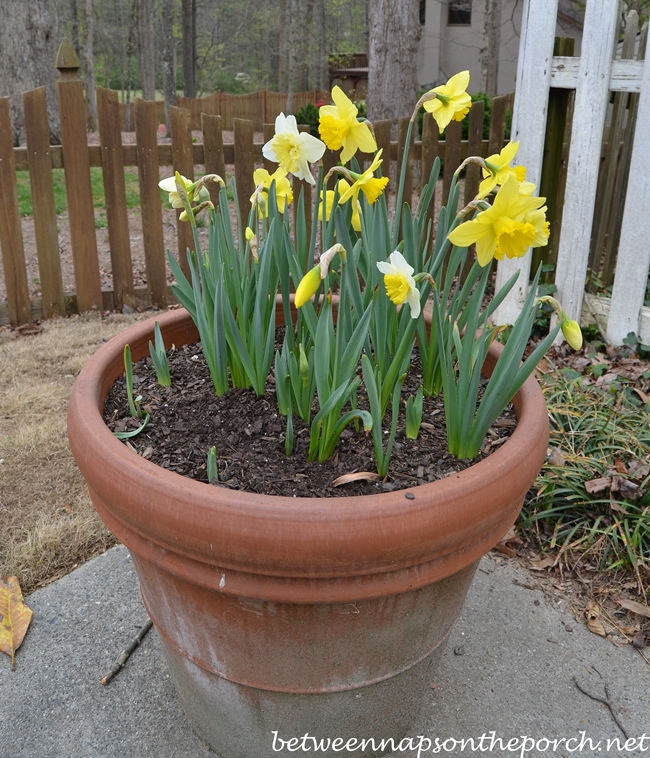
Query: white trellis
{"points": [[592, 75]]}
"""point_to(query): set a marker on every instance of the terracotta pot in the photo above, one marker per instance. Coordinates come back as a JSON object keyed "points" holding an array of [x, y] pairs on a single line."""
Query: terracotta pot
{"points": [[297, 615]]}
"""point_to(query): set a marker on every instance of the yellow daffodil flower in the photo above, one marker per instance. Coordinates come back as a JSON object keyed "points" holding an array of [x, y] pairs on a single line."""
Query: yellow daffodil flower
{"points": [[293, 150], [399, 282], [311, 280], [263, 180], [509, 227], [343, 187], [339, 127], [371, 185], [452, 103], [169, 185], [498, 169]]}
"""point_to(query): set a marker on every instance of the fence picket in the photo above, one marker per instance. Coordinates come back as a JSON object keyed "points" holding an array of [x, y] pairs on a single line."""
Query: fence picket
{"points": [[584, 154], [474, 147], [551, 185], [11, 237], [609, 165], [72, 110], [405, 153], [453, 134], [213, 152], [614, 234], [110, 138], [39, 159], [634, 252], [183, 162], [146, 124], [529, 125], [244, 164]]}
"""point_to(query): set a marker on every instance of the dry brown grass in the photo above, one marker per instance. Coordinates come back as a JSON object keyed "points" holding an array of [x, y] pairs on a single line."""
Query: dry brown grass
{"points": [[47, 522]]}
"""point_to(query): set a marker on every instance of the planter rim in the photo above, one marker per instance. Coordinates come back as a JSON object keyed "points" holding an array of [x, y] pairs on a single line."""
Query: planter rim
{"points": [[447, 524]]}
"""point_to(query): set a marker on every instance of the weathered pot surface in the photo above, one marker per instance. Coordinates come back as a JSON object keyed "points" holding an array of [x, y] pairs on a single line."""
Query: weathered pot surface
{"points": [[297, 615]]}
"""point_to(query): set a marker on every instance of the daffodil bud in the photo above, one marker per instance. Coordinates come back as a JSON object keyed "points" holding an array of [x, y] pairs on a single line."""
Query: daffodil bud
{"points": [[304, 365], [307, 287], [571, 331], [326, 258]]}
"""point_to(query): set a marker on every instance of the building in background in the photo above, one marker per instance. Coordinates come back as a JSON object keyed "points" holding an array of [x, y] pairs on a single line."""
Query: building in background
{"points": [[482, 36]]}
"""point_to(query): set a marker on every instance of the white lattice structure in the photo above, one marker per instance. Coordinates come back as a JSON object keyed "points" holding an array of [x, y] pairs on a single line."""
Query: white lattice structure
{"points": [[592, 75]]}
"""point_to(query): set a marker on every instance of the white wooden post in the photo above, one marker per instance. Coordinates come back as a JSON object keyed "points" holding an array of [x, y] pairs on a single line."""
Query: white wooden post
{"points": [[584, 153], [529, 126], [634, 247]]}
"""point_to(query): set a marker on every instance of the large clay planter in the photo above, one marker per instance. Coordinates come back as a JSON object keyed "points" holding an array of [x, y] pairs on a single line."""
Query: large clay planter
{"points": [[295, 615]]}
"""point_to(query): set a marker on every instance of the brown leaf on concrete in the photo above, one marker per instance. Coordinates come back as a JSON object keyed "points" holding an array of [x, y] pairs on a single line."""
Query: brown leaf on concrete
{"points": [[593, 486], [539, 564], [592, 614], [632, 605], [15, 617]]}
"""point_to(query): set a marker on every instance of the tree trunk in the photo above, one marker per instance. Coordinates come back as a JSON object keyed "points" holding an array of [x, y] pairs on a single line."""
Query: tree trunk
{"points": [[305, 44], [282, 48], [291, 45], [189, 47], [74, 15], [167, 55], [490, 58], [322, 68], [147, 72], [89, 65], [27, 61], [394, 32]]}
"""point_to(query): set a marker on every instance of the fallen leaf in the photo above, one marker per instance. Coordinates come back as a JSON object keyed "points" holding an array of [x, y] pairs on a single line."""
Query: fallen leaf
{"points": [[638, 470], [15, 617], [556, 458], [632, 605], [642, 395], [592, 614], [367, 476], [626, 488], [639, 640], [594, 486], [620, 467], [539, 564], [510, 537]]}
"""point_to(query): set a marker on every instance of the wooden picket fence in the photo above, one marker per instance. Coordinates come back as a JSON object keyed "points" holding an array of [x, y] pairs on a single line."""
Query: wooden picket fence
{"points": [[259, 107], [210, 155], [619, 218]]}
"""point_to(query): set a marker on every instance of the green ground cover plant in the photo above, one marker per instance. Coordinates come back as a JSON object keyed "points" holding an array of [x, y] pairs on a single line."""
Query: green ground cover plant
{"points": [[593, 496]]}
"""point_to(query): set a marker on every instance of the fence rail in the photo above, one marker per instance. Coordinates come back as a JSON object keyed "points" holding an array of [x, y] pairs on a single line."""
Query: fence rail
{"points": [[259, 107], [211, 155]]}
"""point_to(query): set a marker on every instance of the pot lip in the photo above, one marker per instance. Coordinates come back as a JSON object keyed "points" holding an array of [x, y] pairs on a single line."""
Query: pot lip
{"points": [[212, 512]]}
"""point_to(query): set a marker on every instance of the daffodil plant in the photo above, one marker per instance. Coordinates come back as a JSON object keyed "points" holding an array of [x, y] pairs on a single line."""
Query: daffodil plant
{"points": [[360, 305]]}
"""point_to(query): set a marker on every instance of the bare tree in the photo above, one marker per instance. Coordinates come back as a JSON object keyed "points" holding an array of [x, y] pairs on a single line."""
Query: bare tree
{"points": [[282, 47], [74, 17], [490, 57], [189, 47], [394, 32], [147, 72], [167, 56], [89, 64], [27, 60]]}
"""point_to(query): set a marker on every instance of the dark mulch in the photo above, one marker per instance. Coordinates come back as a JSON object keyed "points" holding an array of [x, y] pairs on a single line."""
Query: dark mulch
{"points": [[188, 418]]}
